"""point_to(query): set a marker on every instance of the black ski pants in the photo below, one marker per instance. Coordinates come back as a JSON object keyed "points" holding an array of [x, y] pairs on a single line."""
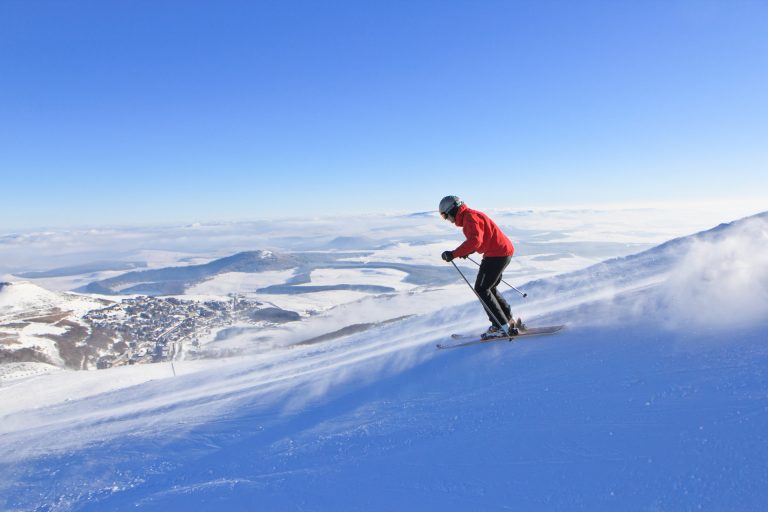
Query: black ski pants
{"points": [[488, 280]]}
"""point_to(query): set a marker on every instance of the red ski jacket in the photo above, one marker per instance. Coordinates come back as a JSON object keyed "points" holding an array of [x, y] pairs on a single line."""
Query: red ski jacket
{"points": [[483, 235]]}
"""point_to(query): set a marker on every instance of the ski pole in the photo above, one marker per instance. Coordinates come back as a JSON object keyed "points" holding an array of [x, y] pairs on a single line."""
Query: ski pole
{"points": [[503, 281], [504, 326]]}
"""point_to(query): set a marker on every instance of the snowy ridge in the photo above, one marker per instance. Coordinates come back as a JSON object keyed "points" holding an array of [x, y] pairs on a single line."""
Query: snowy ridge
{"points": [[31, 319], [623, 414], [26, 298], [715, 266]]}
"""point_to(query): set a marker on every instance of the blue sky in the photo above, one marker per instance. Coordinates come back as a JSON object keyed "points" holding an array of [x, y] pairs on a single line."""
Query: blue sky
{"points": [[174, 111]]}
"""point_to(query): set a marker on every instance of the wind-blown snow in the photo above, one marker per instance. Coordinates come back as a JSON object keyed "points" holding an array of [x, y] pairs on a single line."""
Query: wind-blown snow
{"points": [[644, 402], [720, 281]]}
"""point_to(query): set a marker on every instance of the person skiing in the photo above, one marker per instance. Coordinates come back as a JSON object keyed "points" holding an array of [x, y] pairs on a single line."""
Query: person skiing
{"points": [[485, 237]]}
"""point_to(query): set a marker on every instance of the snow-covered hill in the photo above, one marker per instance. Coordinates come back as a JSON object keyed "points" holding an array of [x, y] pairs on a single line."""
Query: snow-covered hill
{"points": [[653, 398], [178, 279], [41, 327], [23, 298]]}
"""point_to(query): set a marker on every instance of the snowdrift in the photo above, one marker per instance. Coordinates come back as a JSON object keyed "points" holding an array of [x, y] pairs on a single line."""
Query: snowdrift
{"points": [[653, 398]]}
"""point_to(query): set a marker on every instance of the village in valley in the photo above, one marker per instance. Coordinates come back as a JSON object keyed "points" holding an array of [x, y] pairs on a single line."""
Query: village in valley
{"points": [[150, 329], [42, 330]]}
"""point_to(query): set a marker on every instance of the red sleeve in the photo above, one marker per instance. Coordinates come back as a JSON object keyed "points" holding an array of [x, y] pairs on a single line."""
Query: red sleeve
{"points": [[473, 230]]}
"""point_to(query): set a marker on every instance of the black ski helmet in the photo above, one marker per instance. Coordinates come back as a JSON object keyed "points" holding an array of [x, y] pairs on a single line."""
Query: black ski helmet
{"points": [[449, 205]]}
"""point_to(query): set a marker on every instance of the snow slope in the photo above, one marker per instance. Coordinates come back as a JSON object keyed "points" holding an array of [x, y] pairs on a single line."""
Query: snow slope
{"points": [[653, 398], [31, 317], [26, 298]]}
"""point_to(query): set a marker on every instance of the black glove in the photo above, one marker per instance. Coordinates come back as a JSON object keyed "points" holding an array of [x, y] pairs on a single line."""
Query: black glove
{"points": [[447, 256]]}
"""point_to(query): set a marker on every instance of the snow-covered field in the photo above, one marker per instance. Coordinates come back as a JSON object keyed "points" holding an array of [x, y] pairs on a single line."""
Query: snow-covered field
{"points": [[240, 282], [652, 398]]}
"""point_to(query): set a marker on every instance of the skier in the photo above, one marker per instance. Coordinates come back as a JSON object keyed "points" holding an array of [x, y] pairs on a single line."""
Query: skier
{"points": [[484, 236]]}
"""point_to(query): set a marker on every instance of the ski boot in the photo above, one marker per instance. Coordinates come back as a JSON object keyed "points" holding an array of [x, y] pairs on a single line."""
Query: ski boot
{"points": [[494, 332], [518, 325]]}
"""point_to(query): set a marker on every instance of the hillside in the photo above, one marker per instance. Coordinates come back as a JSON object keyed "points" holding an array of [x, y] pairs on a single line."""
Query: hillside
{"points": [[653, 398], [40, 326]]}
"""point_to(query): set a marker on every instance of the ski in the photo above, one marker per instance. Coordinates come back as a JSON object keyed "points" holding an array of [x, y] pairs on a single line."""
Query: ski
{"points": [[473, 339]]}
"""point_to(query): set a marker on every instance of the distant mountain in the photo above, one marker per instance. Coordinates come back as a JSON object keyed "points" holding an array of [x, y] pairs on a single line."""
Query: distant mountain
{"points": [[176, 280], [86, 268]]}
